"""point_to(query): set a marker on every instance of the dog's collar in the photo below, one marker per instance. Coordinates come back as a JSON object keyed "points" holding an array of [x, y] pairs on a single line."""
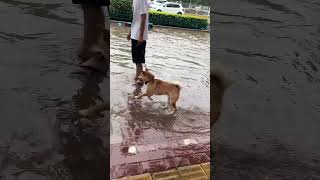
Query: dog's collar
{"points": [[148, 81]]}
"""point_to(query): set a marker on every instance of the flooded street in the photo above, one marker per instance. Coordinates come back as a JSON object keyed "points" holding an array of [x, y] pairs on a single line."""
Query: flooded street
{"points": [[270, 119], [42, 89], [171, 55]]}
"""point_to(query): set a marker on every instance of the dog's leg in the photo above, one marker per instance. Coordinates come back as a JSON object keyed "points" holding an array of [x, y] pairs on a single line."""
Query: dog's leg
{"points": [[144, 94], [173, 100], [167, 104], [141, 95]]}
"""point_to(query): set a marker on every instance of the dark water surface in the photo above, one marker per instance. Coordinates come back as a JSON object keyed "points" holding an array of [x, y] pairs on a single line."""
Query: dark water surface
{"points": [[42, 89], [270, 122]]}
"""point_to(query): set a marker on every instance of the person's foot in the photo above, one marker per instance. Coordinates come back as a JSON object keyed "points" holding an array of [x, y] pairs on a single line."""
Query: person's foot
{"points": [[138, 80]]}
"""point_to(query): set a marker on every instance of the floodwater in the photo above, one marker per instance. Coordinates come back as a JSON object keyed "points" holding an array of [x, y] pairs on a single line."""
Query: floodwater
{"points": [[171, 55], [42, 89], [269, 128]]}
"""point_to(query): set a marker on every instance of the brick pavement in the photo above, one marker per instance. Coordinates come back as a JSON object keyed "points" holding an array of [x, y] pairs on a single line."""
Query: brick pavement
{"points": [[199, 172], [134, 160]]}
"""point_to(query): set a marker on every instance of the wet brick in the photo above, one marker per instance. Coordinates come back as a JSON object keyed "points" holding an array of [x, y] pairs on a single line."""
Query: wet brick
{"points": [[133, 169], [170, 163], [118, 171], [138, 177], [116, 157], [153, 166], [192, 172], [147, 148], [182, 161], [198, 158], [147, 156], [172, 175], [206, 168]]}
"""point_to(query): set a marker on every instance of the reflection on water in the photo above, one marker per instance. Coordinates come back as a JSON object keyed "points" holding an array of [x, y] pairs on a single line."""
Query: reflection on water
{"points": [[171, 55], [268, 127], [42, 91]]}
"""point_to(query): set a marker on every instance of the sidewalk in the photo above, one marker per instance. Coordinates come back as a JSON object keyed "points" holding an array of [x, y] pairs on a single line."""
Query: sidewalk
{"points": [[199, 171], [140, 159]]}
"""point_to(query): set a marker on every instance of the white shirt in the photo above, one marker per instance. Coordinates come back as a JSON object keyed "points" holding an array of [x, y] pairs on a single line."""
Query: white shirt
{"points": [[139, 7]]}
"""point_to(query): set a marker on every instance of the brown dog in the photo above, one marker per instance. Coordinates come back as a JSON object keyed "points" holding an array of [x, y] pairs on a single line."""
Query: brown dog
{"points": [[159, 87], [219, 84]]}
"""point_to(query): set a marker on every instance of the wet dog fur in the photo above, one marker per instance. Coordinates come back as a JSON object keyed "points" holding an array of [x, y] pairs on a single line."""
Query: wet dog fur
{"points": [[159, 87]]}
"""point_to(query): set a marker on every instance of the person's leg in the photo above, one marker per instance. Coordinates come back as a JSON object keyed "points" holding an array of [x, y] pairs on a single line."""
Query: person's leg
{"points": [[138, 57], [94, 24], [95, 47], [139, 69]]}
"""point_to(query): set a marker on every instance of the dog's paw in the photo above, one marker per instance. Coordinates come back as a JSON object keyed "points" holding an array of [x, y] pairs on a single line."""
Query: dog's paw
{"points": [[137, 97]]}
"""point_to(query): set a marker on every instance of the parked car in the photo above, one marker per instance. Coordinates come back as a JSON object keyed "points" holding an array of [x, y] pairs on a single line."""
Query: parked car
{"points": [[154, 4], [170, 7]]}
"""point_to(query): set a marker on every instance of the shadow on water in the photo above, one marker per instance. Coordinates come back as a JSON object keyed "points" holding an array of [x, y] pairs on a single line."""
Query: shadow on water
{"points": [[80, 144], [84, 141]]}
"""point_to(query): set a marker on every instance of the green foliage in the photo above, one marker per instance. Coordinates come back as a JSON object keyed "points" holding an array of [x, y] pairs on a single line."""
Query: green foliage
{"points": [[121, 10], [175, 20]]}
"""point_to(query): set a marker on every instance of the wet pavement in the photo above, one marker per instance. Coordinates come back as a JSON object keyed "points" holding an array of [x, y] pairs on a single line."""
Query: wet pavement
{"points": [[42, 89], [270, 118], [155, 135]]}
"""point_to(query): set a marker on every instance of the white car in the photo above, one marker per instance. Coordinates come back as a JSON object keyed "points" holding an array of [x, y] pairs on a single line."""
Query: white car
{"points": [[170, 7], [154, 4]]}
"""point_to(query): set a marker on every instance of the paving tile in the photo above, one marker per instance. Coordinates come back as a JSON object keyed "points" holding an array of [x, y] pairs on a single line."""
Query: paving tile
{"points": [[170, 163], [147, 156], [123, 170], [203, 140], [138, 177], [153, 166], [140, 157], [208, 154], [113, 172], [206, 168], [198, 158], [181, 161], [166, 175], [192, 172], [118, 171], [133, 169], [116, 157], [147, 148], [169, 145], [183, 151]]}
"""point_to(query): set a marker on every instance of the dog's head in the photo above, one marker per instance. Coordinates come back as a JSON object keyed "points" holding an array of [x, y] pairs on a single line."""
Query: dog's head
{"points": [[147, 75]]}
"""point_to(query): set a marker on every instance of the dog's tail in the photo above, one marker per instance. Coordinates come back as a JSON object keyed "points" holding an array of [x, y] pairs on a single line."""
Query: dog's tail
{"points": [[218, 77], [178, 85], [218, 85]]}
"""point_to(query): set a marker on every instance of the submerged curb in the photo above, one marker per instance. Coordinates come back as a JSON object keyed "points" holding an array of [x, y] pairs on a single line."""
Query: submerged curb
{"points": [[199, 171]]}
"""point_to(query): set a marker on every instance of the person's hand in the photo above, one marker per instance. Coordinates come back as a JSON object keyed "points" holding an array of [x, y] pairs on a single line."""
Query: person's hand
{"points": [[140, 40], [129, 36]]}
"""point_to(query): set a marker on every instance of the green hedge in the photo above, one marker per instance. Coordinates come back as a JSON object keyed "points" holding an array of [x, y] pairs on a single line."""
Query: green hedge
{"points": [[121, 10]]}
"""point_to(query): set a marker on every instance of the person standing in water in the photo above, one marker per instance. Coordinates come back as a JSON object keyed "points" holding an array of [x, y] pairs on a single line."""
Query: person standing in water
{"points": [[139, 34], [94, 51]]}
